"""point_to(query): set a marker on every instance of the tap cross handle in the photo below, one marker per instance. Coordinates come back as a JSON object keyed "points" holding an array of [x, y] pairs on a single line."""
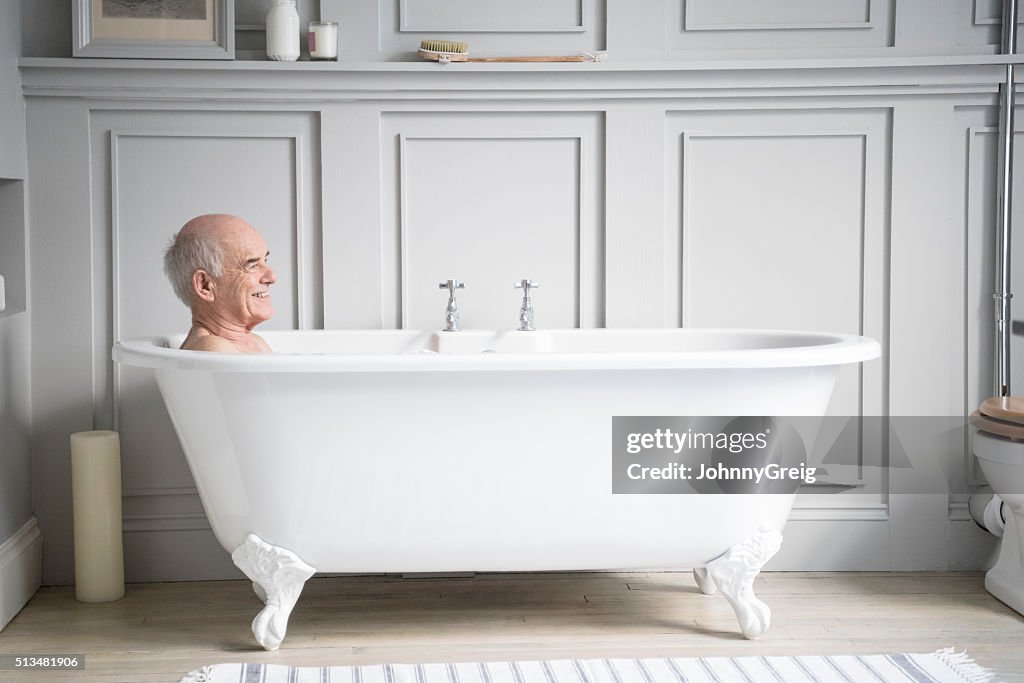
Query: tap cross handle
{"points": [[526, 285], [452, 285]]}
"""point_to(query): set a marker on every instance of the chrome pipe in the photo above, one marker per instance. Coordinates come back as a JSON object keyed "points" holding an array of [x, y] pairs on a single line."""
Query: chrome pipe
{"points": [[1009, 40], [1004, 199]]}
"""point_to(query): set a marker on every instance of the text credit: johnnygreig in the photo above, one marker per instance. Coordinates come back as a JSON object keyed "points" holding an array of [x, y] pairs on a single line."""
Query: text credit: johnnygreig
{"points": [[706, 454]]}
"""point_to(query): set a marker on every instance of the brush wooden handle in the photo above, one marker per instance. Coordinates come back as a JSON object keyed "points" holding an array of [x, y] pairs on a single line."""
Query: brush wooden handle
{"points": [[555, 58], [442, 56]]}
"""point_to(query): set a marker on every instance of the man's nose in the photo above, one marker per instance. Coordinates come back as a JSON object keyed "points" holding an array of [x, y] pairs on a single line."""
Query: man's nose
{"points": [[268, 276]]}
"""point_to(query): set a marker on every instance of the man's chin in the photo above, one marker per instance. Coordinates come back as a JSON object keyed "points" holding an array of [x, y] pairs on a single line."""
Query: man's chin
{"points": [[264, 314]]}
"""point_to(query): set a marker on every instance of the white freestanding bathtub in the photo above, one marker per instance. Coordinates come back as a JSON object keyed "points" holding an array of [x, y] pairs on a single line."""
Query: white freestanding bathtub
{"points": [[411, 451]]}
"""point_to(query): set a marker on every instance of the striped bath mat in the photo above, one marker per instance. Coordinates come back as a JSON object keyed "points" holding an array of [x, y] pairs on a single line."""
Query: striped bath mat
{"points": [[938, 667]]}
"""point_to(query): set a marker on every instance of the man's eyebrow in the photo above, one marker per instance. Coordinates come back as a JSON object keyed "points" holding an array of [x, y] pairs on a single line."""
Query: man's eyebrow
{"points": [[256, 259]]}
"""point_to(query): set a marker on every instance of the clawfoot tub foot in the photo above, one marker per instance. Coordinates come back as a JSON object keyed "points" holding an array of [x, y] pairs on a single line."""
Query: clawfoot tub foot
{"points": [[733, 574], [704, 582], [278, 576]]}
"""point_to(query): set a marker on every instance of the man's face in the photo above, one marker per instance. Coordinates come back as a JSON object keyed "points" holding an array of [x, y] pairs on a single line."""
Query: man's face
{"points": [[242, 292]]}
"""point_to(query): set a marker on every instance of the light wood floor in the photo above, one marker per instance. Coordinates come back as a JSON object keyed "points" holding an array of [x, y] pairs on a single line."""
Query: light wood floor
{"points": [[159, 632]]}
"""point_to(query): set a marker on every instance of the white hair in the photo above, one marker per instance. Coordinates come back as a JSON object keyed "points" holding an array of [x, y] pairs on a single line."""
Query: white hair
{"points": [[195, 250]]}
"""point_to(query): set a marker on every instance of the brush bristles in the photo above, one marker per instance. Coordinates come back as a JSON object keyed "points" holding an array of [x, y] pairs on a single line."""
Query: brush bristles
{"points": [[444, 46]]}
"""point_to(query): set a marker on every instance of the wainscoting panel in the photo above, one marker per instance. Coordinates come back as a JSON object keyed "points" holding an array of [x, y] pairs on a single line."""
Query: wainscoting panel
{"points": [[979, 23], [978, 133], [153, 171], [750, 15], [979, 140], [491, 199], [792, 25], [492, 15], [781, 221], [492, 27], [255, 170], [852, 197]]}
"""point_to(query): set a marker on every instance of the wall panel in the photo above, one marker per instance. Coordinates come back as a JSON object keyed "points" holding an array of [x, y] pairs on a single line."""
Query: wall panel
{"points": [[779, 221], [705, 175], [491, 27], [492, 15], [491, 199], [154, 171], [372, 29], [979, 23], [746, 25], [775, 15], [978, 135]]}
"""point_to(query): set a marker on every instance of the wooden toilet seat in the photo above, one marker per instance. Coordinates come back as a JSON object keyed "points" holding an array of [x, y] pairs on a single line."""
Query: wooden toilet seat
{"points": [[1002, 416]]}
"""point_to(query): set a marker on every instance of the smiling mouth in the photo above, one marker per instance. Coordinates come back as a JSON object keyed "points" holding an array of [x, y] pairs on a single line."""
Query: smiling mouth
{"points": [[262, 295]]}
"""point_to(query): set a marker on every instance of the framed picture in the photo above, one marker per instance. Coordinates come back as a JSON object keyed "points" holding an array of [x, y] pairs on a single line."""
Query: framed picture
{"points": [[154, 29]]}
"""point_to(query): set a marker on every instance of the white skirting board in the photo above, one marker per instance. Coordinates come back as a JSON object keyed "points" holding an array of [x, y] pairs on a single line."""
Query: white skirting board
{"points": [[21, 561]]}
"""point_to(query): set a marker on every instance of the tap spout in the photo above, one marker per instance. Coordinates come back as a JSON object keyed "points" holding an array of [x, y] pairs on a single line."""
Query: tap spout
{"points": [[526, 313], [451, 313]]}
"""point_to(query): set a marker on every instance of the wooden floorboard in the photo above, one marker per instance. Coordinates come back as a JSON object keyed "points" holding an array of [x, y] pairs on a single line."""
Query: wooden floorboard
{"points": [[159, 632]]}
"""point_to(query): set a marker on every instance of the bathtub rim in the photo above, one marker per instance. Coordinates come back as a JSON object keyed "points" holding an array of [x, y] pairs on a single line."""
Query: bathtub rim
{"points": [[151, 352]]}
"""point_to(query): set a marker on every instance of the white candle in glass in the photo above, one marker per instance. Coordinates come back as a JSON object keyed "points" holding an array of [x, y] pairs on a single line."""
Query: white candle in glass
{"points": [[323, 40], [96, 500]]}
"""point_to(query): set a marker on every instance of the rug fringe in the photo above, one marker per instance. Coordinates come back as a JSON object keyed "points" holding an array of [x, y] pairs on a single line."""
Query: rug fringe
{"points": [[964, 666], [200, 675], [954, 665]]}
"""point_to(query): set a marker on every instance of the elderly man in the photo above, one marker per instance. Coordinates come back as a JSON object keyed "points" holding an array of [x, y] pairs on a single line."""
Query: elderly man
{"points": [[217, 264]]}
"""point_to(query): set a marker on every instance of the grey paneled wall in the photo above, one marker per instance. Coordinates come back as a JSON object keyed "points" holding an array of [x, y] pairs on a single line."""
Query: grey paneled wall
{"points": [[978, 130], [263, 165], [491, 199], [850, 195], [271, 173], [493, 26], [492, 15], [15, 505], [804, 193], [19, 535], [385, 29], [746, 24]]}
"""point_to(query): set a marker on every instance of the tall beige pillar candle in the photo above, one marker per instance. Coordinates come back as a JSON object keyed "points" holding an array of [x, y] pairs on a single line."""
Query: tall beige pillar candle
{"points": [[96, 493]]}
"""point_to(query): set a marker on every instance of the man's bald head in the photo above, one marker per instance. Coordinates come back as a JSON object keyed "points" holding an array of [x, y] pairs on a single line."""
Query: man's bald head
{"points": [[200, 245]]}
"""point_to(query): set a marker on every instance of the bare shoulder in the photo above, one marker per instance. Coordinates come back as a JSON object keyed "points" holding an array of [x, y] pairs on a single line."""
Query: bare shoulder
{"points": [[201, 339], [208, 342], [261, 345]]}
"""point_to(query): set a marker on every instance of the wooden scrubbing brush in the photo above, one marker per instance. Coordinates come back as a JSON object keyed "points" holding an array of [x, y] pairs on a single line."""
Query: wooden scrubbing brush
{"points": [[445, 51]]}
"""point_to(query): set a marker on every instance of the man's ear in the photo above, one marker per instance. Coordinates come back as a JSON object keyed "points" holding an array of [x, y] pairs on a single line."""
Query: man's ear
{"points": [[202, 285]]}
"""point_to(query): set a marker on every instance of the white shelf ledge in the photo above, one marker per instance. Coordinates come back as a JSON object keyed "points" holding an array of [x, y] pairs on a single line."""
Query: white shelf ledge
{"points": [[304, 81], [409, 64]]}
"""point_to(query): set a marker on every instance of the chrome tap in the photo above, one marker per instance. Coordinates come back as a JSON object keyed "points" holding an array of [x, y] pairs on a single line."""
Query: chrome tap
{"points": [[526, 310], [451, 314]]}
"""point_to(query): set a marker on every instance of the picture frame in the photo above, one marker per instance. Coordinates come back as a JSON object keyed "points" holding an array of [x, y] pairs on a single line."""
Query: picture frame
{"points": [[154, 29]]}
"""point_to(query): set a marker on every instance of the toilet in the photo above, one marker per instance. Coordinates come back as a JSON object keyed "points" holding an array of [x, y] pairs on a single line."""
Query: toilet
{"points": [[999, 446]]}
